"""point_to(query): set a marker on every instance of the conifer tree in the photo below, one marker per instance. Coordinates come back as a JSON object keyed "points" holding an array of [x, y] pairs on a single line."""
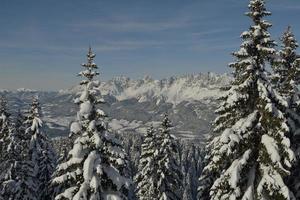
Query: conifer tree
{"points": [[96, 166], [286, 78], [169, 174], [146, 179], [19, 182], [4, 129], [252, 156], [159, 176], [287, 66], [40, 149]]}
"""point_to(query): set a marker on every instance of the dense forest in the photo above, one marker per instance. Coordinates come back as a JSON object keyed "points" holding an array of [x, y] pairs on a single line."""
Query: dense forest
{"points": [[252, 154]]}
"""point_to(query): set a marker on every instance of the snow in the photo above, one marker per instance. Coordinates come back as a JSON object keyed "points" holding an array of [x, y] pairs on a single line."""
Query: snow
{"points": [[84, 95], [115, 176], [36, 123], [75, 127], [88, 166], [25, 90], [272, 179], [111, 197], [233, 175], [85, 108], [231, 136], [271, 148], [68, 193], [92, 125], [172, 90], [236, 168], [100, 112]]}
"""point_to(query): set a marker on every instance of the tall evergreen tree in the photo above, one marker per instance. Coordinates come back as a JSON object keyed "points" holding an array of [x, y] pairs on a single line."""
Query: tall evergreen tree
{"points": [[4, 129], [40, 150], [286, 78], [146, 179], [169, 173], [96, 166], [206, 179], [252, 156], [159, 174], [19, 181], [287, 66]]}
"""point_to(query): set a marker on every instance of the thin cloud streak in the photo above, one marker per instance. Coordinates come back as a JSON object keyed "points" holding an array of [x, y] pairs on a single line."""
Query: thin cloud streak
{"points": [[121, 25], [211, 32]]}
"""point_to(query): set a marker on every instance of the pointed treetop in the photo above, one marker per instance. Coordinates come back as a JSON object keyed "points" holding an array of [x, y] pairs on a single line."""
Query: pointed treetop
{"points": [[288, 39], [150, 130], [257, 10], [35, 100], [90, 66], [3, 104], [90, 54], [3, 109], [35, 106], [166, 122], [90, 58]]}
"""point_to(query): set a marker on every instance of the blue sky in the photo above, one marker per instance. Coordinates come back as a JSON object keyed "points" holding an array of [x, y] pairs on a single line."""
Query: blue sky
{"points": [[42, 43]]}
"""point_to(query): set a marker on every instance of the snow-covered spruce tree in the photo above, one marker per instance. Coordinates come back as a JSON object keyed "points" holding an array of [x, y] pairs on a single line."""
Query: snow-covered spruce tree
{"points": [[4, 128], [206, 180], [132, 146], [96, 166], [169, 183], [208, 177], [19, 181], [286, 77], [287, 66], [40, 149], [252, 154], [146, 178], [19, 122]]}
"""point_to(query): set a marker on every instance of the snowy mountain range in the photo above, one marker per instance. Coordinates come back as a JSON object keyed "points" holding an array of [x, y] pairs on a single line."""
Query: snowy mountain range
{"points": [[132, 105]]}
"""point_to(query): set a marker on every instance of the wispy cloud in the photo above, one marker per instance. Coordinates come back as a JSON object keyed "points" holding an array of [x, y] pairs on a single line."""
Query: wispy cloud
{"points": [[105, 45], [121, 24], [128, 45], [211, 32]]}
